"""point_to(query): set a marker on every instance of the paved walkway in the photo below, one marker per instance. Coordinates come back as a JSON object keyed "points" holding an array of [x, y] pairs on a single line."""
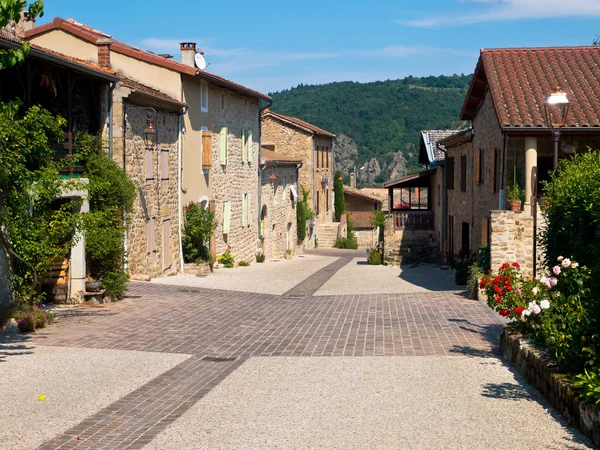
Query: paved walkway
{"points": [[207, 377]]}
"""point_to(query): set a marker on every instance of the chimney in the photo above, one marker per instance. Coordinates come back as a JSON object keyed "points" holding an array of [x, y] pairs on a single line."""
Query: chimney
{"points": [[24, 24], [353, 180], [188, 52], [103, 45]]}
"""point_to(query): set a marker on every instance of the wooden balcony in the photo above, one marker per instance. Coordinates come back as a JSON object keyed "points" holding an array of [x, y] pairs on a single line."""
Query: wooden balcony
{"points": [[413, 220]]}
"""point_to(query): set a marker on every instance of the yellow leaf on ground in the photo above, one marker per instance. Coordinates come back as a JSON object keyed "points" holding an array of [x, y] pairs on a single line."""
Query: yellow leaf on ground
{"points": [[42, 398]]}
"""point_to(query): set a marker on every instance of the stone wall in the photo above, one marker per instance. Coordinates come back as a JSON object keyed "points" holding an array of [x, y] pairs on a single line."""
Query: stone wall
{"points": [[512, 240], [279, 226], [230, 182], [157, 199], [407, 246], [366, 238], [540, 370], [324, 180]]}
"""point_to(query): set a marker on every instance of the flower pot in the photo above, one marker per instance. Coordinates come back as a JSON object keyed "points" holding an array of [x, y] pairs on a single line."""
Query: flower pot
{"points": [[515, 205], [93, 286]]}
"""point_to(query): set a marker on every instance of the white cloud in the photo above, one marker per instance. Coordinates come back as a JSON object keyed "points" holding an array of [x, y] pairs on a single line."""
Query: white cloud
{"points": [[502, 10], [402, 51]]}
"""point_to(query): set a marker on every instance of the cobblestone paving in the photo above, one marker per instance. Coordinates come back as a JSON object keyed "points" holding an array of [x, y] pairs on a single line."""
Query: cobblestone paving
{"points": [[220, 329]]}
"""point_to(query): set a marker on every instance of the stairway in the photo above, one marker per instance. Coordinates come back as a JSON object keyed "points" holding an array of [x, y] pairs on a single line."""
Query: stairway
{"points": [[327, 234]]}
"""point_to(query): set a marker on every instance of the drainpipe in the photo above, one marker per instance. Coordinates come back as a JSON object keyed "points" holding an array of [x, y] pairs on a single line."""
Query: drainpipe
{"points": [[110, 119], [445, 198], [125, 263], [179, 206], [260, 169]]}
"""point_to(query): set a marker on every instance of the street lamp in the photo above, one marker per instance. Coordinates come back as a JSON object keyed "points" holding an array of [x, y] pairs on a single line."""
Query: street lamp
{"points": [[556, 101]]}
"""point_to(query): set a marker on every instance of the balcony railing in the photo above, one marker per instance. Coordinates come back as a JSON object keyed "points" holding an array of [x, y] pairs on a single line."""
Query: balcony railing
{"points": [[413, 220]]}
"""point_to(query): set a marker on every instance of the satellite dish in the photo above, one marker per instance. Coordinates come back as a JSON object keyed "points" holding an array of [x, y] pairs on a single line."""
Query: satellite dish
{"points": [[200, 61]]}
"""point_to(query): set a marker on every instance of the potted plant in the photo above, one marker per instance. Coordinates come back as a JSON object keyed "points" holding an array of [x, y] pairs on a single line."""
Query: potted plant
{"points": [[514, 193]]}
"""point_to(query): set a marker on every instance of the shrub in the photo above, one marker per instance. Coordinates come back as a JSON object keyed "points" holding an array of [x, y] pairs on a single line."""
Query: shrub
{"points": [[339, 203], [473, 281], [345, 243], [27, 323], [375, 257], [198, 228], [587, 385], [227, 259], [484, 258], [260, 257], [243, 264], [303, 213]]}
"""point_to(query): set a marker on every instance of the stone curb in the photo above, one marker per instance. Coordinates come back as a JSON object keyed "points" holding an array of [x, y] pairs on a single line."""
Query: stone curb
{"points": [[541, 371]]}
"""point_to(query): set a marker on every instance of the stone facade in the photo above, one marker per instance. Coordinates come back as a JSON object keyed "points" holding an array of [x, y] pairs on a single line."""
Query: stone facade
{"points": [[236, 179], [512, 240], [315, 176], [278, 215]]}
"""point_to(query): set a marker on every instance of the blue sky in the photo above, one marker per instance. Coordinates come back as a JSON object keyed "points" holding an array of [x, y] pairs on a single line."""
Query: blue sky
{"points": [[274, 45]]}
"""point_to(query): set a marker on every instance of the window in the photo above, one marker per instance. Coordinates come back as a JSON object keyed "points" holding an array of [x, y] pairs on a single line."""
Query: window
{"points": [[465, 247], [250, 146], [244, 137], [223, 146], [451, 235], [164, 164], [327, 155], [206, 149], [463, 173], [149, 166], [493, 171], [318, 151], [485, 231], [249, 209], [479, 166], [150, 235], [244, 209], [226, 217], [204, 96], [450, 169], [318, 203]]}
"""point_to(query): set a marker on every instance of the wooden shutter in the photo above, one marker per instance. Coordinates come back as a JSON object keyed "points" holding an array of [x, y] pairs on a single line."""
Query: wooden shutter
{"points": [[327, 154], [450, 169], [150, 235], [318, 155], [249, 209], [149, 166], [164, 164], [485, 231], [477, 165], [206, 150], [244, 146], [250, 145], [223, 146], [226, 217], [463, 173], [244, 205], [166, 244], [493, 171]]}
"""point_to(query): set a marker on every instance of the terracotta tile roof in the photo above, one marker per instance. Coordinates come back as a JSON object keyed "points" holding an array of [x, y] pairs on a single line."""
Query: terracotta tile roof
{"points": [[91, 35], [380, 193], [298, 122], [428, 150], [271, 156], [520, 80], [360, 193], [362, 219]]}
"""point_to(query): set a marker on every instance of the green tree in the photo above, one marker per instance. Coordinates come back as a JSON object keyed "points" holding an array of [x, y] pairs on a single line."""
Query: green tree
{"points": [[198, 228], [339, 203]]}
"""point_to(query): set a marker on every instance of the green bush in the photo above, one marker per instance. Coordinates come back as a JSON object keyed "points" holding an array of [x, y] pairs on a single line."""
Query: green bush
{"points": [[345, 243], [473, 281], [587, 385], [303, 213], [484, 258], [339, 202], [375, 257], [196, 233], [227, 259], [260, 257], [243, 264]]}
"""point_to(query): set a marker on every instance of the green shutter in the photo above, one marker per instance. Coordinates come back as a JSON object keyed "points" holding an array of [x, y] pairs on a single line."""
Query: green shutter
{"points": [[244, 147], [250, 146], [249, 210], [226, 217], [223, 148], [243, 209]]}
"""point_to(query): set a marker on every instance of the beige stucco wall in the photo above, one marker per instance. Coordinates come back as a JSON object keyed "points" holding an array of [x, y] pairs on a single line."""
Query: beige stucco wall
{"points": [[280, 213], [292, 141], [354, 203], [67, 44]]}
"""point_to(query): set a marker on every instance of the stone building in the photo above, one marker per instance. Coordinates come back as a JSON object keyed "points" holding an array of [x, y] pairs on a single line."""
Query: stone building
{"points": [[146, 93], [512, 139], [361, 206], [311, 145], [279, 197]]}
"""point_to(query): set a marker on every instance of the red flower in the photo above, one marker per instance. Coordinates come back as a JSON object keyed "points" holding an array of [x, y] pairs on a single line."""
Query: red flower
{"points": [[489, 271], [509, 288], [504, 313], [498, 299], [481, 284], [519, 310], [497, 289], [517, 265]]}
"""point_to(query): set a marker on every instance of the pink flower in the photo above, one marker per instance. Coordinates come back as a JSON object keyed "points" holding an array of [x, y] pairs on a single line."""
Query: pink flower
{"points": [[566, 262], [518, 292], [574, 265], [560, 258], [556, 270], [553, 281]]}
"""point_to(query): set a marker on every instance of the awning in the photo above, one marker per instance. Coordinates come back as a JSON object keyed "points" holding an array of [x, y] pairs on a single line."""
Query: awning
{"points": [[420, 179]]}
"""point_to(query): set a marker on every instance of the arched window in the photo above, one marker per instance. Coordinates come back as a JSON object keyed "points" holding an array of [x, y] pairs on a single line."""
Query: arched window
{"points": [[203, 202]]}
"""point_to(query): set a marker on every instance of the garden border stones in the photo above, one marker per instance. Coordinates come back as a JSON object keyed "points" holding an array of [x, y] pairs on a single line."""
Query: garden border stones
{"points": [[541, 371]]}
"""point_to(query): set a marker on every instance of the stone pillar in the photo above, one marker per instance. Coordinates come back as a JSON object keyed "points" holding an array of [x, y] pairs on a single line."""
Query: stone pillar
{"points": [[530, 163]]}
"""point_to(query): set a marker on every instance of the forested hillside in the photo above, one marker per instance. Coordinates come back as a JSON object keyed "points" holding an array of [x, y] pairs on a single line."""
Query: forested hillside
{"points": [[383, 118]]}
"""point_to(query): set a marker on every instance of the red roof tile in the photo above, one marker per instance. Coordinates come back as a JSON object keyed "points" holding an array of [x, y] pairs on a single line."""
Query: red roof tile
{"points": [[362, 219], [520, 80], [298, 122], [91, 35], [358, 193]]}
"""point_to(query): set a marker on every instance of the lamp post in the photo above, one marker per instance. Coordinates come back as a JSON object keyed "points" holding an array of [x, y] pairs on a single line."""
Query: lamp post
{"points": [[559, 102]]}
